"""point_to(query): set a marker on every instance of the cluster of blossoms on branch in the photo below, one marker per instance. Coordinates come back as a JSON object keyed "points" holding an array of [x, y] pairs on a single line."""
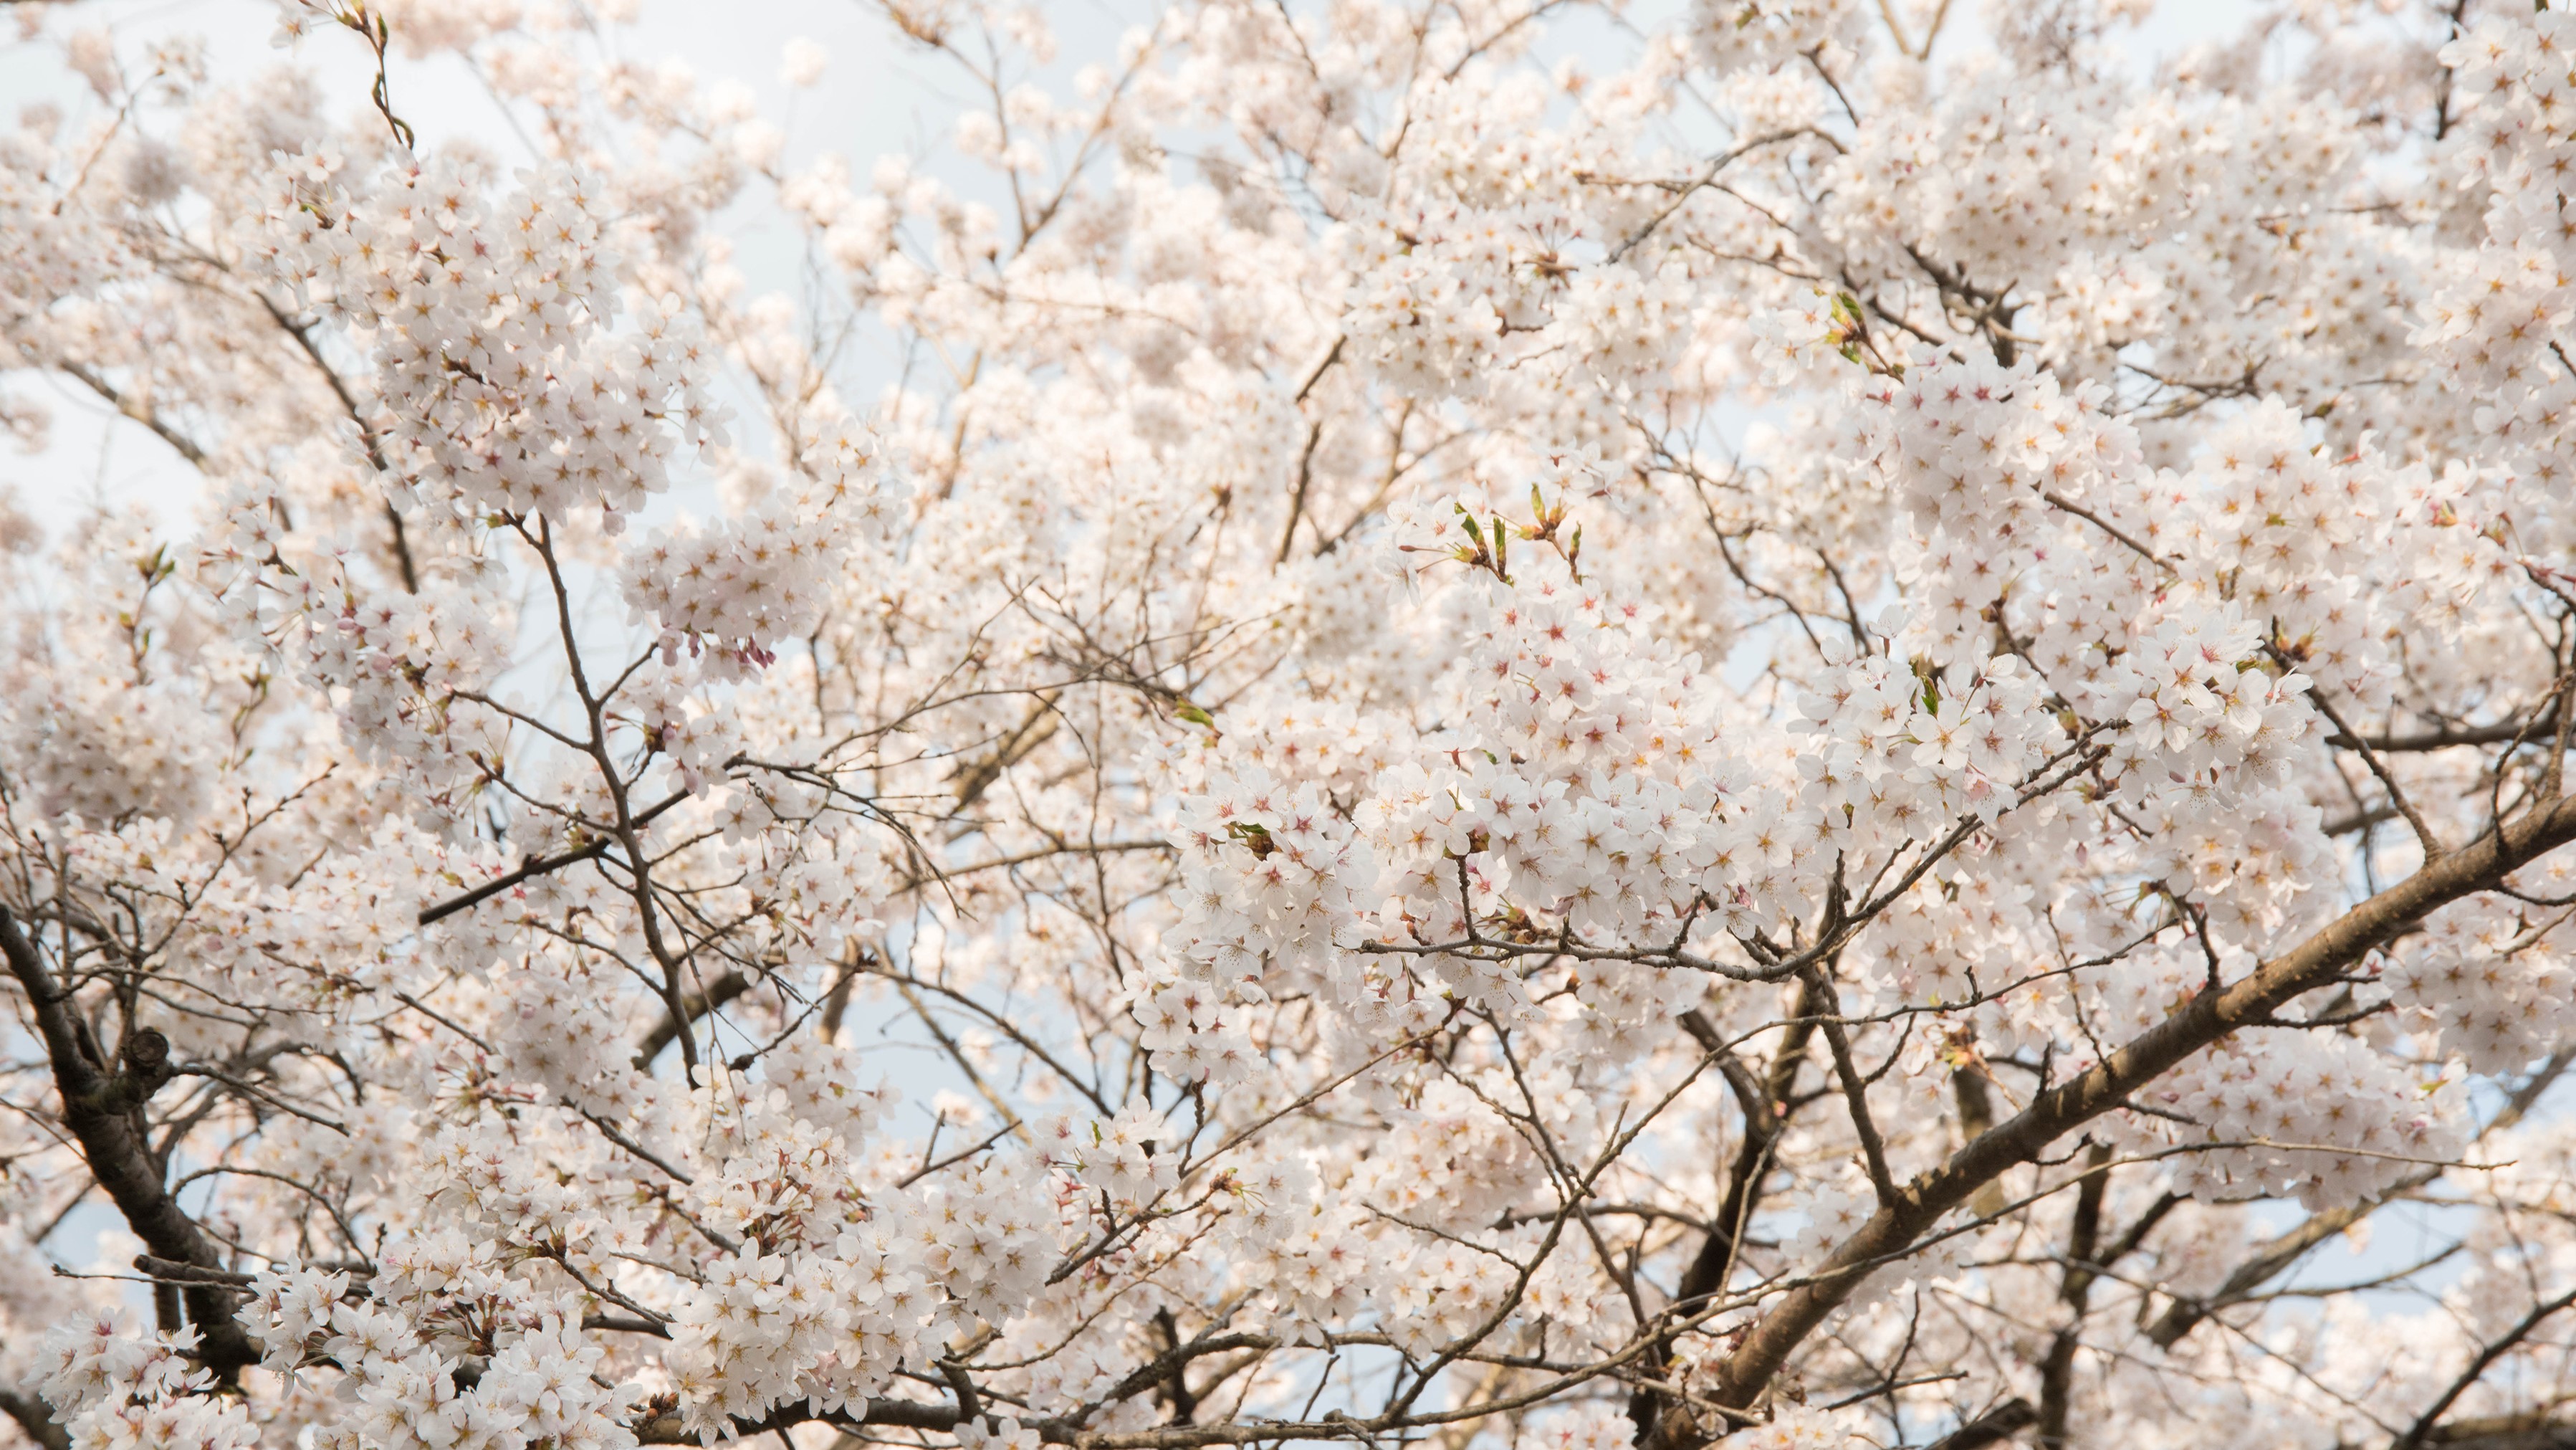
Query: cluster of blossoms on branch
{"points": [[1800, 725]]}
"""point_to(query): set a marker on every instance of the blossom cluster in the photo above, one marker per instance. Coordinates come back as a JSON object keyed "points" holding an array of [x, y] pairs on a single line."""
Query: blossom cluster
{"points": [[1389, 720]]}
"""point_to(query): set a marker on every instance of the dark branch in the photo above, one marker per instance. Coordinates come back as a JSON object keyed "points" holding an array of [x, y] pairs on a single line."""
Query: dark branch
{"points": [[35, 1420], [718, 992], [103, 1110], [2208, 1017]]}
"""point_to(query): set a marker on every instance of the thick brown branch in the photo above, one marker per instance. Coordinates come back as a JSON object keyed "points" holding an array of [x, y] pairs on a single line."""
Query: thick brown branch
{"points": [[102, 1109], [1993, 1427], [141, 412], [666, 1429], [1762, 1102], [2083, 1238], [35, 1420], [2419, 1433], [718, 992], [2535, 1431], [2448, 737], [1034, 730], [2208, 1017]]}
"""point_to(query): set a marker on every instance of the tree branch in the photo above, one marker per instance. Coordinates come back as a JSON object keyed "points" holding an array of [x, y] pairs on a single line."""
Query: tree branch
{"points": [[2184, 1315], [717, 993], [35, 1419], [2208, 1017], [2487, 1356], [103, 1109]]}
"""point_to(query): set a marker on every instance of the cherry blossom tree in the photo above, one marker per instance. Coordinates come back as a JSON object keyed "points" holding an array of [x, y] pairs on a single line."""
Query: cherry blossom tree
{"points": [[1498, 724]]}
